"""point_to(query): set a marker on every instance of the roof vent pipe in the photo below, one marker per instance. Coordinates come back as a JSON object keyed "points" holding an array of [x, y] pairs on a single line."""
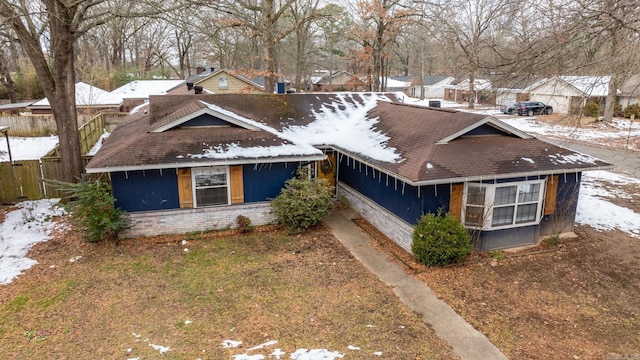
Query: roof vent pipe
{"points": [[190, 86], [197, 89]]}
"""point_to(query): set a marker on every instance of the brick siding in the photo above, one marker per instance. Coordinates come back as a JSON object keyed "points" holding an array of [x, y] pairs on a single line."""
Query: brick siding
{"points": [[180, 221], [392, 226]]}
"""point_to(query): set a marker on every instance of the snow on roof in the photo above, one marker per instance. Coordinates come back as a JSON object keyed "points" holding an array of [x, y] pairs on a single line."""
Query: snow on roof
{"points": [[349, 128], [27, 148], [88, 95], [590, 85], [392, 83], [142, 89]]}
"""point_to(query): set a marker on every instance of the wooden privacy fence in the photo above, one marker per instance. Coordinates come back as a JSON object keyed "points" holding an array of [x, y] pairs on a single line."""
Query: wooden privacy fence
{"points": [[45, 125], [28, 179]]}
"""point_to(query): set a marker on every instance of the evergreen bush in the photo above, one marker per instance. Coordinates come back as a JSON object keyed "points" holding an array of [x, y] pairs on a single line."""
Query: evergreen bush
{"points": [[592, 110], [632, 109], [92, 210], [303, 202], [440, 239]]}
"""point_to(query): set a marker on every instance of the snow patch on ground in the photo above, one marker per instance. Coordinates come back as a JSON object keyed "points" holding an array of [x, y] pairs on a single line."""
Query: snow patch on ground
{"points": [[26, 148], [31, 223]]}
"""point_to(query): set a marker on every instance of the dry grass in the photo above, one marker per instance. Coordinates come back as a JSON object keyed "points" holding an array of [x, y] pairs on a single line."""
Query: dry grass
{"points": [[117, 300]]}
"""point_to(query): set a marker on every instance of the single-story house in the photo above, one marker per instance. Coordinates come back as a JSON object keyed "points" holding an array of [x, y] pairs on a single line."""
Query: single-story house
{"points": [[196, 162], [137, 92], [630, 91], [569, 94], [219, 81], [515, 89], [13, 108], [433, 85], [460, 91], [89, 100], [338, 81]]}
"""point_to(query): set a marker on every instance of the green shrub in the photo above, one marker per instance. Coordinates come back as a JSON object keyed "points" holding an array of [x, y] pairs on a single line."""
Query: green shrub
{"points": [[632, 109], [617, 110], [592, 110], [92, 210], [303, 202], [440, 239]]}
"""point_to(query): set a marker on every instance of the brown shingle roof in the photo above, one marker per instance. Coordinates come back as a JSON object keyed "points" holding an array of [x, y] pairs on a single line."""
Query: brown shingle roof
{"points": [[489, 149]]}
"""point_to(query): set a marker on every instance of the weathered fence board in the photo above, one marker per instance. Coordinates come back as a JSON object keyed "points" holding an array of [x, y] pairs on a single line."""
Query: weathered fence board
{"points": [[22, 180], [38, 125]]}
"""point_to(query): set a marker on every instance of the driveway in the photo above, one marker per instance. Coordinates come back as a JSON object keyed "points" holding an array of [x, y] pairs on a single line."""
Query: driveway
{"points": [[625, 161]]}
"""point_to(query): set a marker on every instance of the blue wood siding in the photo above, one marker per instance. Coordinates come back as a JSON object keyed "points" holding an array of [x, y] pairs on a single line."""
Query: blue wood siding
{"points": [[263, 182], [145, 190], [404, 200], [566, 206], [206, 120]]}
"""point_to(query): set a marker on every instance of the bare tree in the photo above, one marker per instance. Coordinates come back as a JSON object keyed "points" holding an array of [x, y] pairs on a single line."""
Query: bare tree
{"points": [[473, 27], [48, 31]]}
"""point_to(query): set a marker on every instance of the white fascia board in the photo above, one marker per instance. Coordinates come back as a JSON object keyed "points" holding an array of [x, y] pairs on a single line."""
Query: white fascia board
{"points": [[217, 162]]}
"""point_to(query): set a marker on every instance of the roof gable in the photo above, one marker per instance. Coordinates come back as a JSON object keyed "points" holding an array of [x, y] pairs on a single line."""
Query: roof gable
{"points": [[486, 126], [205, 115]]}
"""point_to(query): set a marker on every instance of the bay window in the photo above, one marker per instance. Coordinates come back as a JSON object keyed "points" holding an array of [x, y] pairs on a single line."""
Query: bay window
{"points": [[496, 206]]}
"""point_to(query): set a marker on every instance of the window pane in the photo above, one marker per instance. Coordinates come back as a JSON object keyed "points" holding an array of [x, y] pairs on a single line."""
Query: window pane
{"points": [[475, 195], [211, 196], [505, 195], [528, 192], [474, 215], [502, 216], [526, 213], [211, 177]]}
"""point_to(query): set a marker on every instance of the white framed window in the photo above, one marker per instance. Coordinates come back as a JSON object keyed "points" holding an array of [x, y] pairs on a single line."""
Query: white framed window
{"points": [[211, 186], [506, 205]]}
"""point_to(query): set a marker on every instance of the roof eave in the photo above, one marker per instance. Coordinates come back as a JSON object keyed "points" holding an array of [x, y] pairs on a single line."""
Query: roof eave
{"points": [[213, 162]]}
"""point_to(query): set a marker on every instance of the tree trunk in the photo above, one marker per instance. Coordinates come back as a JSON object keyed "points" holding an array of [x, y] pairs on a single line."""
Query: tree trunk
{"points": [[472, 90], [63, 106], [609, 106]]}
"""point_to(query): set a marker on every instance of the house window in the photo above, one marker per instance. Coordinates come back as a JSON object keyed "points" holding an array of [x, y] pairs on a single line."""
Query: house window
{"points": [[211, 186], [223, 83], [495, 206]]}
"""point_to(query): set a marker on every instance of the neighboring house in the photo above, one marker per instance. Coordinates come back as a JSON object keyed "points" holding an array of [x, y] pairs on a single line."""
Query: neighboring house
{"points": [[338, 81], [395, 85], [460, 91], [187, 163], [89, 100], [221, 81], [514, 90], [13, 108], [137, 92], [569, 94], [434, 85], [629, 93]]}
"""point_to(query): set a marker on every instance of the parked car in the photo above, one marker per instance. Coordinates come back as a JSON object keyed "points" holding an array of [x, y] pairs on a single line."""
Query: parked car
{"points": [[531, 108], [508, 108]]}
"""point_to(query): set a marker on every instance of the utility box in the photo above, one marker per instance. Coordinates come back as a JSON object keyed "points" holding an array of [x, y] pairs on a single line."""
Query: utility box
{"points": [[434, 103]]}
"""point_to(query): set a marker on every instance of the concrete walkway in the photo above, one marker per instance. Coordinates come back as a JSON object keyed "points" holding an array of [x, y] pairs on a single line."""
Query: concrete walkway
{"points": [[466, 341]]}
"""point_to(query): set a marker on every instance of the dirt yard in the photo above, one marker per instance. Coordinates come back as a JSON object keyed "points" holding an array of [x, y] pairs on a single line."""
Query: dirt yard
{"points": [[577, 299]]}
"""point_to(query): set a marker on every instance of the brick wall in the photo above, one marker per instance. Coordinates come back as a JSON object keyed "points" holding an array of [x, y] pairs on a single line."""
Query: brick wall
{"points": [[392, 226], [179, 221]]}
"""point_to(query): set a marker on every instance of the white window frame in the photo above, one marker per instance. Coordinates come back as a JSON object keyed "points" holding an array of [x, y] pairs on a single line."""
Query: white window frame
{"points": [[194, 172], [489, 206]]}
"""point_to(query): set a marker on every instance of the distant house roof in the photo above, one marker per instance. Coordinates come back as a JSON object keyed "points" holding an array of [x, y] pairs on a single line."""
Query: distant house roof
{"points": [[478, 84], [517, 84], [417, 144], [589, 85], [87, 95], [142, 89], [14, 106], [428, 79], [631, 87], [257, 81]]}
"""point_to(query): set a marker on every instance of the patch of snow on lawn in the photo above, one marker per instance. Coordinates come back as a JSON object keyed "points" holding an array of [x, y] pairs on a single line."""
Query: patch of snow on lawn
{"points": [[26, 148], [30, 224], [594, 210]]}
